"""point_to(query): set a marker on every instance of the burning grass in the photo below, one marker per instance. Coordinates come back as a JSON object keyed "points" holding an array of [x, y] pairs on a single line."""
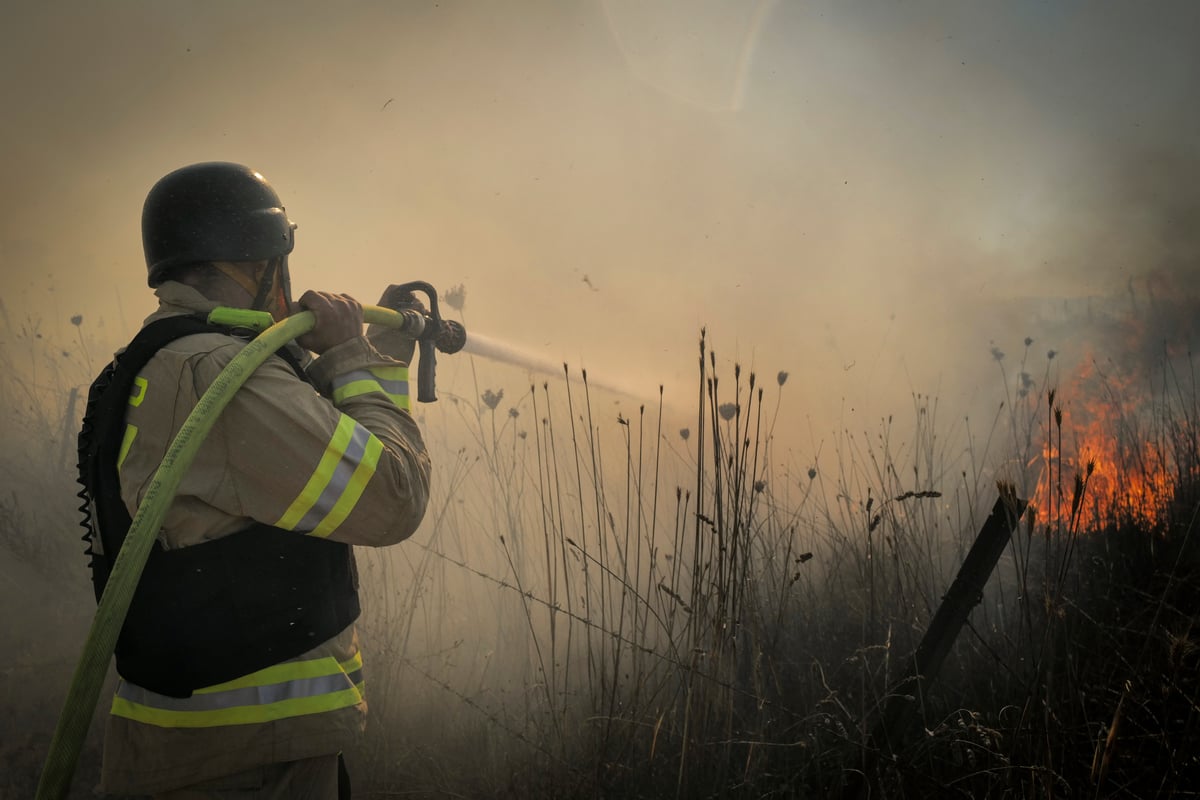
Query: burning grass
{"points": [[623, 604], [698, 618]]}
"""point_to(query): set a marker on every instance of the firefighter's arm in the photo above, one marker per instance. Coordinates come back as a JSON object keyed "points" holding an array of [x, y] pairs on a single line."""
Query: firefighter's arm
{"points": [[347, 464]]}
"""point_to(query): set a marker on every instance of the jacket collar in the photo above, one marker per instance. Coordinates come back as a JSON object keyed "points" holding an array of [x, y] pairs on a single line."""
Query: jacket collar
{"points": [[176, 298]]}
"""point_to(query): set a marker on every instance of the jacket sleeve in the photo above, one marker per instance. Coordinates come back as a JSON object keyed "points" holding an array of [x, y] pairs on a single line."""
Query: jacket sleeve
{"points": [[345, 461]]}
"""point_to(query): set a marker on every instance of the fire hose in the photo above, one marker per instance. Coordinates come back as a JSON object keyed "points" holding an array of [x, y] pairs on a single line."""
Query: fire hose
{"points": [[430, 332]]}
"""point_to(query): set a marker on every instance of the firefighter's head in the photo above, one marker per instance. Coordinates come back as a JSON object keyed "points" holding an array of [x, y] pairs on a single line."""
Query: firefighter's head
{"points": [[218, 218]]}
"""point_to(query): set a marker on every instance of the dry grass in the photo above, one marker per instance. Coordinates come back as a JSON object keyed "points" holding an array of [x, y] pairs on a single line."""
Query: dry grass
{"points": [[603, 604], [43, 576]]}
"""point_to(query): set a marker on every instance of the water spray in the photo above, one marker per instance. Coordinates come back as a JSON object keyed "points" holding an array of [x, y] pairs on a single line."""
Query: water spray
{"points": [[433, 333], [495, 350]]}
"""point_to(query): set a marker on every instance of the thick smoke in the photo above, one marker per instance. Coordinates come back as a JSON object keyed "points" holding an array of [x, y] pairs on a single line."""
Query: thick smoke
{"points": [[1140, 254]]}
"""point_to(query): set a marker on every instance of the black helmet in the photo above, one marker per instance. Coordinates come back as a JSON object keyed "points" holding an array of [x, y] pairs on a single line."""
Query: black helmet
{"points": [[214, 211]]}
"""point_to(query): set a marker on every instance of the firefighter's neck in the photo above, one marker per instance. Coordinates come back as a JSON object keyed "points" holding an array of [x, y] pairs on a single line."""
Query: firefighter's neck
{"points": [[235, 284]]}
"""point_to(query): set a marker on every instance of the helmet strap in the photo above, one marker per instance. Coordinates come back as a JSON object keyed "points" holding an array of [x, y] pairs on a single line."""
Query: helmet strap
{"points": [[266, 282], [283, 278]]}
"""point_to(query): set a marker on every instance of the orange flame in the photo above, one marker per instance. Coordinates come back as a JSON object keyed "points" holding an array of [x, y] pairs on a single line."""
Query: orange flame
{"points": [[1100, 465]]}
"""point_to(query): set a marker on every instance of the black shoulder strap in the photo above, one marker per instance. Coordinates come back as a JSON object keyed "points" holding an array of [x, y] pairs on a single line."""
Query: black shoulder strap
{"points": [[100, 438], [102, 431]]}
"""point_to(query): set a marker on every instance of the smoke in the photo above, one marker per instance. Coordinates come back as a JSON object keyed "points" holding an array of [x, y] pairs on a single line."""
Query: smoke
{"points": [[1135, 251], [868, 195], [872, 197]]}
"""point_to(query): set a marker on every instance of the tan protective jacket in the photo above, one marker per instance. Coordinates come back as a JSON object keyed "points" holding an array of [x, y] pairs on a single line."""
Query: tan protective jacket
{"points": [[348, 463]]}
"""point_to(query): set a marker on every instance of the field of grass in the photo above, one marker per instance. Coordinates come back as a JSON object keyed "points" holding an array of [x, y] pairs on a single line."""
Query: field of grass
{"points": [[602, 604], [44, 583]]}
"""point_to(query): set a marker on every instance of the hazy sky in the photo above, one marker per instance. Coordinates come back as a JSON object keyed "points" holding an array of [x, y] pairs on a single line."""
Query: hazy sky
{"points": [[866, 194]]}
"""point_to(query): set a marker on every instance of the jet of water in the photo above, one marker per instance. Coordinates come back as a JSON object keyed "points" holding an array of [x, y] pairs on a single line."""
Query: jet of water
{"points": [[495, 350]]}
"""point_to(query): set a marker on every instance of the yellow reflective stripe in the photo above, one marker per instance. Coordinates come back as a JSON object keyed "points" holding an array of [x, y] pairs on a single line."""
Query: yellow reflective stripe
{"points": [[354, 489], [131, 433], [352, 664], [278, 673], [358, 388], [396, 373], [290, 689], [390, 381], [320, 478], [238, 715], [353, 669], [138, 394]]}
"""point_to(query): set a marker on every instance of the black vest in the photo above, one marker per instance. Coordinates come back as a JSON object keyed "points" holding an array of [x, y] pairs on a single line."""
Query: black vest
{"points": [[215, 611]]}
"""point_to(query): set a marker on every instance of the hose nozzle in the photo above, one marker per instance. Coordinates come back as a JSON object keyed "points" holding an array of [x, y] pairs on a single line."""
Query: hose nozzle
{"points": [[431, 332], [451, 338]]}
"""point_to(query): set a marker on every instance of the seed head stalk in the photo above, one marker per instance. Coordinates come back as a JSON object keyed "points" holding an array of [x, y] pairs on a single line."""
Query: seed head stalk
{"points": [[587, 581]]}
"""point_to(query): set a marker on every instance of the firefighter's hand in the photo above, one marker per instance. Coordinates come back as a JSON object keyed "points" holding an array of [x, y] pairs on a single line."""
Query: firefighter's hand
{"points": [[339, 318]]}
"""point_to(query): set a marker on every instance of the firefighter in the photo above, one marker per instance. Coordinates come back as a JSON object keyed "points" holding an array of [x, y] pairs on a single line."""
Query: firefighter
{"points": [[240, 668]]}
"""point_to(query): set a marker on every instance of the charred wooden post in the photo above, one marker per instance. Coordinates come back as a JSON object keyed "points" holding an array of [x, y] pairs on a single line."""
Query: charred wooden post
{"points": [[963, 595]]}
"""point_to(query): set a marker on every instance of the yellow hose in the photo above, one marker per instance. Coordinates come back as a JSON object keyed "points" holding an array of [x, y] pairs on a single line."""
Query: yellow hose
{"points": [[127, 569]]}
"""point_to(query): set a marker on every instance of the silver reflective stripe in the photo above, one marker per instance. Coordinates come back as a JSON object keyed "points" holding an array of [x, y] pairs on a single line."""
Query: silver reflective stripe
{"points": [[337, 482], [232, 698], [389, 386]]}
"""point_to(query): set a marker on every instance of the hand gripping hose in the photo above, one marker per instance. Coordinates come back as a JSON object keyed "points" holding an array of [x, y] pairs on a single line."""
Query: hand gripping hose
{"points": [[92, 667]]}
